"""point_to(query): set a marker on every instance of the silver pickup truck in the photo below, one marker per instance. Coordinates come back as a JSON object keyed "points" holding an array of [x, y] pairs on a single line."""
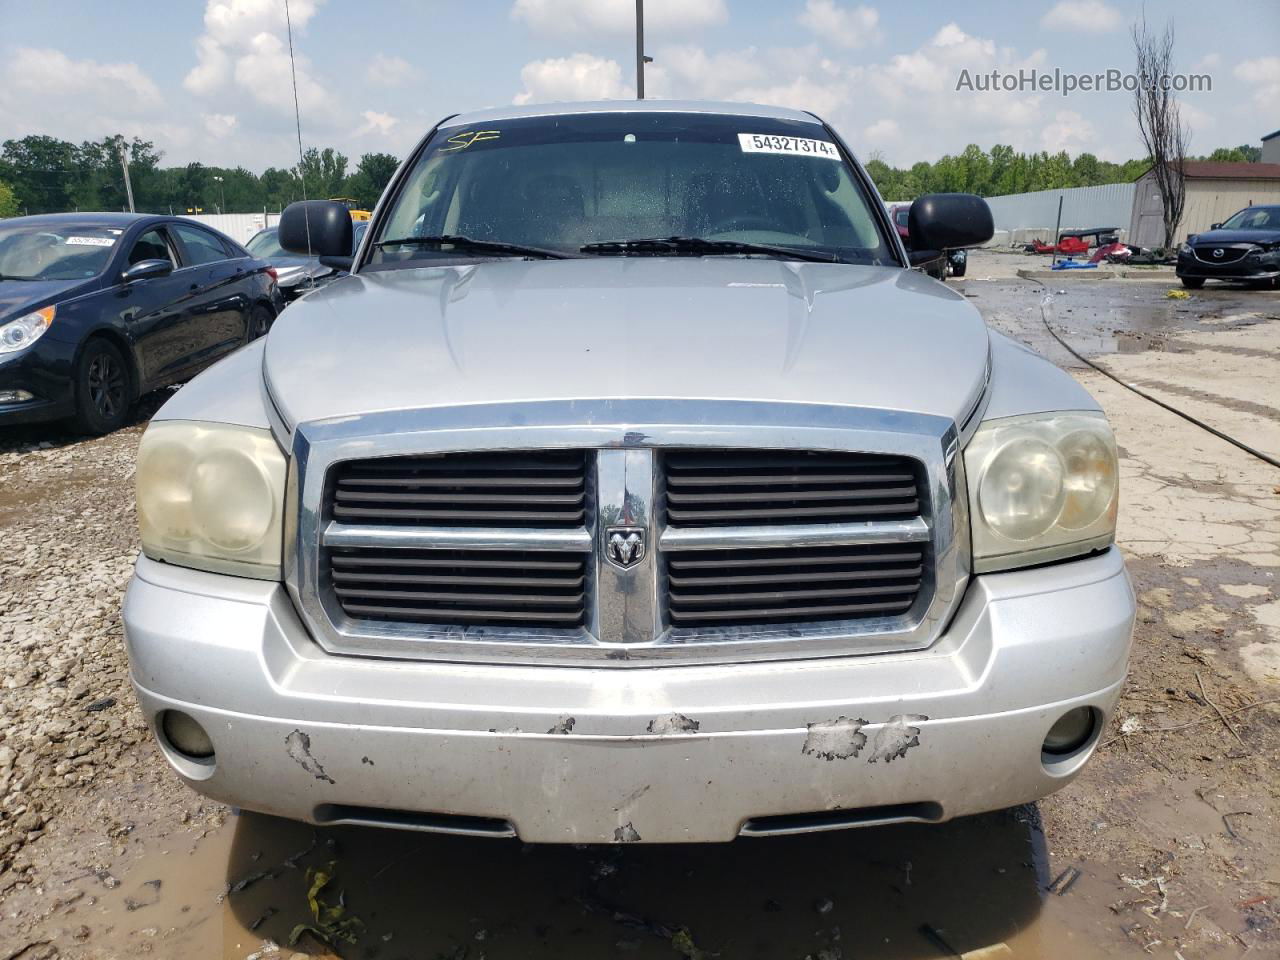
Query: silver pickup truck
{"points": [[632, 487]]}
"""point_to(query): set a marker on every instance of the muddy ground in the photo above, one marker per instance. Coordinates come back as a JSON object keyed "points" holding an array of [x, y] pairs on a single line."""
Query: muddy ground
{"points": [[1167, 846]]}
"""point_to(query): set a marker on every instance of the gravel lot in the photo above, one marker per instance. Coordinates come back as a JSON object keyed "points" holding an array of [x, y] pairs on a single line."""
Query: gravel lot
{"points": [[1173, 828]]}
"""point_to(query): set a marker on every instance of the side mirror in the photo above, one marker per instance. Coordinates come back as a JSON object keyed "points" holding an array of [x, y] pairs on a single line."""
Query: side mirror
{"points": [[1215, 226], [324, 223], [146, 270], [948, 221]]}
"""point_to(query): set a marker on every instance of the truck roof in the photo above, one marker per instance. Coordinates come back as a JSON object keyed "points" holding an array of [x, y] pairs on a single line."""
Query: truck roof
{"points": [[627, 106]]}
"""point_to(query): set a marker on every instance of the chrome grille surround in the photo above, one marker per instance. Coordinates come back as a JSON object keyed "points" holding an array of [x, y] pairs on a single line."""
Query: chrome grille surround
{"points": [[624, 619]]}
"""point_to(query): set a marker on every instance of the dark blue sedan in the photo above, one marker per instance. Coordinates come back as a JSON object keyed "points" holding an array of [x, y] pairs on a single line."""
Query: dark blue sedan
{"points": [[97, 309]]}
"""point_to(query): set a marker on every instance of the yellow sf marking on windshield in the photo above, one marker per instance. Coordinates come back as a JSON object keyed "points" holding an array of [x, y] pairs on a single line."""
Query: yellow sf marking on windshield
{"points": [[461, 141]]}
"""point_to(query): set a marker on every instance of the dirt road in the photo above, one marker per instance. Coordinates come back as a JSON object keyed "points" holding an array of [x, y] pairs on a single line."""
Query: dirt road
{"points": [[1167, 846]]}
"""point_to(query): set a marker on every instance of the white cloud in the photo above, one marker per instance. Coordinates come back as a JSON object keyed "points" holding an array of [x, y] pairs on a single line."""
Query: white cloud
{"points": [[845, 26], [1207, 62], [212, 68], [376, 124], [236, 22], [580, 76], [385, 71], [882, 131], [218, 125], [1068, 131], [49, 73], [905, 105], [244, 42], [1263, 78], [618, 16], [262, 70], [1082, 16]]}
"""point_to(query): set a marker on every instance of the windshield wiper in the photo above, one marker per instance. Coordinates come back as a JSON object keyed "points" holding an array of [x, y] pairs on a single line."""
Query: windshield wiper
{"points": [[700, 246], [9, 276], [479, 246]]}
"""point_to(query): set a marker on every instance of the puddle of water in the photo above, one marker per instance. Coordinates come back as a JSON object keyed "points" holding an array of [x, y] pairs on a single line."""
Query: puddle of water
{"points": [[973, 887]]}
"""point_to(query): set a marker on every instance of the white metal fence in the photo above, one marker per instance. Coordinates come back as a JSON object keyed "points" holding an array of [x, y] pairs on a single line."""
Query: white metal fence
{"points": [[238, 226], [1020, 217]]}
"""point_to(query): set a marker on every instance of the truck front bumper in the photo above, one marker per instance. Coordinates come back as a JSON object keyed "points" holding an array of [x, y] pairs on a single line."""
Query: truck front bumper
{"points": [[618, 754]]}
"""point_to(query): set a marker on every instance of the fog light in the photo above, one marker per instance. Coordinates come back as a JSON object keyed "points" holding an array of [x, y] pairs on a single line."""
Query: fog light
{"points": [[1071, 732], [186, 736], [15, 396]]}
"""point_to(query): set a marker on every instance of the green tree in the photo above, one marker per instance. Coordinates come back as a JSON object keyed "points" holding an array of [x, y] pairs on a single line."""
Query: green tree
{"points": [[42, 171], [1228, 155], [372, 174], [323, 173], [8, 201]]}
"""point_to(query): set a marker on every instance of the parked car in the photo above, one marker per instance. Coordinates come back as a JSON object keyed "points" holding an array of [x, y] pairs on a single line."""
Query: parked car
{"points": [[297, 273], [631, 488], [952, 263], [1244, 247], [99, 308]]}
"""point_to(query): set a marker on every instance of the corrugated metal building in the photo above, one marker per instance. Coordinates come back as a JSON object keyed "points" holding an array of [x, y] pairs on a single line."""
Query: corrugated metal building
{"points": [[1020, 216], [1214, 192], [238, 226]]}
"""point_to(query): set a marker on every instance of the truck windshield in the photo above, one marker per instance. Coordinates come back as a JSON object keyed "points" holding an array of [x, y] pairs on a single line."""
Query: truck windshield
{"points": [[595, 181]]}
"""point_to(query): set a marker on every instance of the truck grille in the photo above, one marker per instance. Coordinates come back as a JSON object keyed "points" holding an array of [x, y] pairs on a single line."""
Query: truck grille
{"points": [[542, 489], [721, 488], [461, 587], [790, 585], [835, 550]]}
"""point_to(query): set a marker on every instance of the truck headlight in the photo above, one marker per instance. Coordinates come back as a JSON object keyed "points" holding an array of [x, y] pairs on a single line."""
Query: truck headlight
{"points": [[1041, 488], [211, 496]]}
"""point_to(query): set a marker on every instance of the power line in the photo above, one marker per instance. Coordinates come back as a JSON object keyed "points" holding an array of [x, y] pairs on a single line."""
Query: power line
{"points": [[297, 117]]}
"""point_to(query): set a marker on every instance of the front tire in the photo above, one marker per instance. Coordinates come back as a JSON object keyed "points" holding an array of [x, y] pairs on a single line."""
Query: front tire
{"points": [[260, 320], [103, 397], [1192, 283]]}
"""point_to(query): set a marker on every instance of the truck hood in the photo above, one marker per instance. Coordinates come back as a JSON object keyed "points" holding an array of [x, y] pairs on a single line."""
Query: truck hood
{"points": [[635, 327]]}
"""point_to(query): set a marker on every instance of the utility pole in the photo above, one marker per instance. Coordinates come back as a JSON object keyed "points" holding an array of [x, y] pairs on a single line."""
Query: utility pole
{"points": [[124, 165], [222, 197], [641, 59]]}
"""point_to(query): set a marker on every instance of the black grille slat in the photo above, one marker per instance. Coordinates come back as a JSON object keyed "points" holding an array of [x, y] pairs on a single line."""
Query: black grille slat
{"points": [[686, 561], [449, 615], [342, 578], [736, 487], [824, 576], [482, 600], [479, 518], [691, 517], [541, 499], [820, 493], [461, 587], [524, 489], [792, 613], [739, 480]]}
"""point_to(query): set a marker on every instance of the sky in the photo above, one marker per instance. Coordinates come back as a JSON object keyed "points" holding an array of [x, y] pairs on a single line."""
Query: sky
{"points": [[209, 80]]}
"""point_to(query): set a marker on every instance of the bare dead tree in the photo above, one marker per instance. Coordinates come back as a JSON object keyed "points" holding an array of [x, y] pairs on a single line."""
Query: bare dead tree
{"points": [[1164, 134]]}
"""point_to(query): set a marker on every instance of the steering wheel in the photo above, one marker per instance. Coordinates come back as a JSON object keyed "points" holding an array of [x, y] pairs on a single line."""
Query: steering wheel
{"points": [[746, 221]]}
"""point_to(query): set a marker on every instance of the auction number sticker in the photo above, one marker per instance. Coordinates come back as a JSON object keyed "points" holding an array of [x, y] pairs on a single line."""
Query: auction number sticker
{"points": [[796, 146], [91, 241]]}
